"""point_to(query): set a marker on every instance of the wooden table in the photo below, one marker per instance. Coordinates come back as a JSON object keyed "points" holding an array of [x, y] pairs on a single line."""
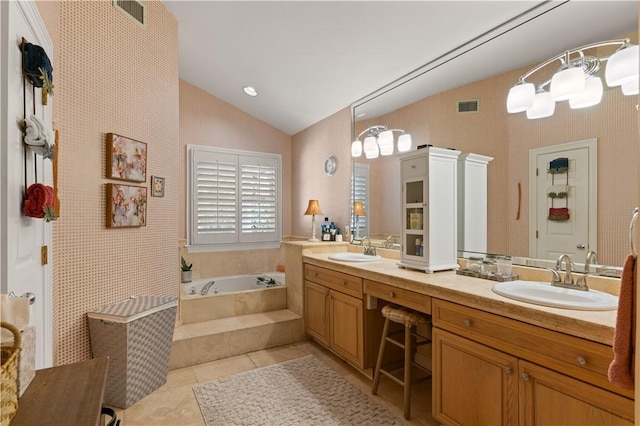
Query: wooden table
{"points": [[69, 394]]}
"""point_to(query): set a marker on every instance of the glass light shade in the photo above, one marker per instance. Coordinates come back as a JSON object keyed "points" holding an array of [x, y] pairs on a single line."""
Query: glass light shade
{"points": [[356, 148], [374, 153], [631, 87], [385, 142], [543, 106], [567, 83], [591, 95], [520, 97], [370, 144], [622, 66], [404, 142]]}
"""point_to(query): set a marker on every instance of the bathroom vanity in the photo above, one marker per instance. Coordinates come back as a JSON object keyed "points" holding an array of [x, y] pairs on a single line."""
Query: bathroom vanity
{"points": [[495, 360]]}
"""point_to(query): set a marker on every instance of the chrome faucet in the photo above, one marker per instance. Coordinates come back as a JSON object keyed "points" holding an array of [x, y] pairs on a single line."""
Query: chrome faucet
{"points": [[389, 242], [592, 258], [368, 249], [568, 278], [206, 287]]}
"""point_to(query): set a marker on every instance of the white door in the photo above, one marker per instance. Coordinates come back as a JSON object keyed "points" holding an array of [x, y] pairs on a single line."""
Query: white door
{"points": [[23, 238], [576, 235]]}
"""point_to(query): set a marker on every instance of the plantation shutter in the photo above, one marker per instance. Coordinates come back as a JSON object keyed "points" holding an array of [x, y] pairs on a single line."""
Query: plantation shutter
{"points": [[258, 198], [234, 199], [215, 206], [360, 192]]}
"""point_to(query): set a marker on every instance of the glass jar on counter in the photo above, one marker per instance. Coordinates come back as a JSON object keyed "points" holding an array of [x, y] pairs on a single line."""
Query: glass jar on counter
{"points": [[489, 267], [474, 264]]}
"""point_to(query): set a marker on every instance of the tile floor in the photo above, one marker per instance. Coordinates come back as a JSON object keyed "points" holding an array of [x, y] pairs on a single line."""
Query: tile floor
{"points": [[175, 404]]}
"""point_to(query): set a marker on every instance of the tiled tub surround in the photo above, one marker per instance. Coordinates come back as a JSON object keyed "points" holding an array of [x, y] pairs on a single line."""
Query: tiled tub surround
{"points": [[221, 325], [228, 302]]}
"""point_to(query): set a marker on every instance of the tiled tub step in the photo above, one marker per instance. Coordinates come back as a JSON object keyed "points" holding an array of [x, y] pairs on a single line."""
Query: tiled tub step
{"points": [[221, 338]]}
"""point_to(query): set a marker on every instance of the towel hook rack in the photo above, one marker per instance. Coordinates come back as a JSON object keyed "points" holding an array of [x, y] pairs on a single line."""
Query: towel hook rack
{"points": [[632, 225]]}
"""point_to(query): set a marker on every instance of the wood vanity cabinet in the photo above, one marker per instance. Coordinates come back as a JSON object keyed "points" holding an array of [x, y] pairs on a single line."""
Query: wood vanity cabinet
{"points": [[494, 370], [335, 315]]}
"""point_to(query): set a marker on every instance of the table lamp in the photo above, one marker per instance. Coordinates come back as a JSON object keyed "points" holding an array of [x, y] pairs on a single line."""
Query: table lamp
{"points": [[358, 210], [313, 209]]}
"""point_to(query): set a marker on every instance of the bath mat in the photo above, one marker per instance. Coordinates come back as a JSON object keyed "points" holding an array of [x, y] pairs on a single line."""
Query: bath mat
{"points": [[303, 391]]}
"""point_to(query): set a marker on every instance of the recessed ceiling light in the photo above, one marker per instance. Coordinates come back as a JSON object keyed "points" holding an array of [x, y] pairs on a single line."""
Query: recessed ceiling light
{"points": [[250, 91], [362, 114]]}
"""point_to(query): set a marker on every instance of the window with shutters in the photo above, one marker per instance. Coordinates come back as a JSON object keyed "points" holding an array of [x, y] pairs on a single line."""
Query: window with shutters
{"points": [[360, 192], [233, 199]]}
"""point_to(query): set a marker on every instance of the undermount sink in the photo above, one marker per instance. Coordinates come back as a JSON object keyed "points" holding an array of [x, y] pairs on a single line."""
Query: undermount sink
{"points": [[547, 295], [353, 257]]}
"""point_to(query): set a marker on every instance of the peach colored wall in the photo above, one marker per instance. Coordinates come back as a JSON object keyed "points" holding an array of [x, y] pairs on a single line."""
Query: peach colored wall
{"points": [[111, 75], [311, 147], [207, 120]]}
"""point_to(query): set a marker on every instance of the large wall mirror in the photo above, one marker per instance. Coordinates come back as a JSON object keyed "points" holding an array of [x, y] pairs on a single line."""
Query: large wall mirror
{"points": [[426, 103]]}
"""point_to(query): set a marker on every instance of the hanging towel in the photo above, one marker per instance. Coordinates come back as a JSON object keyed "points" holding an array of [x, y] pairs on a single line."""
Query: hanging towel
{"points": [[622, 367]]}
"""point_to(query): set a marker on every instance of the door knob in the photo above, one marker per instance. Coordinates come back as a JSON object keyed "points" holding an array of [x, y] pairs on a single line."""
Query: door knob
{"points": [[31, 297], [580, 246]]}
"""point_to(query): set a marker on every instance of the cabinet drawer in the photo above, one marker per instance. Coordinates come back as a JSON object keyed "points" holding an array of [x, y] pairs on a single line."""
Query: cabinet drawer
{"points": [[338, 281], [406, 298], [580, 358], [414, 167]]}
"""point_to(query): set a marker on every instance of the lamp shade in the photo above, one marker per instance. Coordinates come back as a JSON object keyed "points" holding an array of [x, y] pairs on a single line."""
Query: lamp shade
{"points": [[404, 142], [631, 87], [567, 83], [385, 142], [520, 97], [356, 148], [622, 66], [371, 151], [543, 106], [313, 208], [591, 95], [358, 209]]}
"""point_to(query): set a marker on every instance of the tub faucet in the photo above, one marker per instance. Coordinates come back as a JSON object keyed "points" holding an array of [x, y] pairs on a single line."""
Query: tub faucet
{"points": [[206, 287]]}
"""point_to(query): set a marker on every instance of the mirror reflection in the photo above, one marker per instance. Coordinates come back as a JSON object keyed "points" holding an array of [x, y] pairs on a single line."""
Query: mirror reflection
{"points": [[473, 118]]}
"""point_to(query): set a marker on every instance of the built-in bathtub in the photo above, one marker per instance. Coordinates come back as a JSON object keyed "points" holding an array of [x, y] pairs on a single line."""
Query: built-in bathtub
{"points": [[232, 296]]}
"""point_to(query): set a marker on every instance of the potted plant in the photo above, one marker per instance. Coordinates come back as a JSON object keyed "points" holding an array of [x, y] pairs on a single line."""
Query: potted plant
{"points": [[185, 275]]}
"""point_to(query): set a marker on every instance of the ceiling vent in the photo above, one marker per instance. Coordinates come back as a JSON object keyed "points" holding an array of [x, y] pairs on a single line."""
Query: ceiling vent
{"points": [[468, 106], [132, 9]]}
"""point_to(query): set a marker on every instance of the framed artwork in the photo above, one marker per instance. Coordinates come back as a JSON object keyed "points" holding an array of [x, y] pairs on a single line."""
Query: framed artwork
{"points": [[157, 186], [126, 206], [126, 158]]}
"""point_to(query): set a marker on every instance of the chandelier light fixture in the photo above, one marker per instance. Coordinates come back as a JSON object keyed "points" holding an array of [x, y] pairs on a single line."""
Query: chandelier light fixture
{"points": [[379, 141], [576, 79]]}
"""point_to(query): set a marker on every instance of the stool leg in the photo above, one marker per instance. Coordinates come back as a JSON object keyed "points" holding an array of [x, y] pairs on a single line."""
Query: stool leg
{"points": [[407, 371], [376, 372]]}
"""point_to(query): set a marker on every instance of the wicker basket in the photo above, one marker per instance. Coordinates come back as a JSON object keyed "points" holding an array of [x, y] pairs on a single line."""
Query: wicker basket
{"points": [[9, 376]]}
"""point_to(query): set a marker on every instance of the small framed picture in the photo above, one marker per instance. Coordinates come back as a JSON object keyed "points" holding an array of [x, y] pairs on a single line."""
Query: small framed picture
{"points": [[157, 186], [126, 158], [126, 206]]}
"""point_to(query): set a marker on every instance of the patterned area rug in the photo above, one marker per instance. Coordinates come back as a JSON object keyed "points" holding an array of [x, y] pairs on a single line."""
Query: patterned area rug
{"points": [[303, 391]]}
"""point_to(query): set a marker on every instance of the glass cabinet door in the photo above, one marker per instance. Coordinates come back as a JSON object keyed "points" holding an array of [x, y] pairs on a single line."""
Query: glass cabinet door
{"points": [[414, 218]]}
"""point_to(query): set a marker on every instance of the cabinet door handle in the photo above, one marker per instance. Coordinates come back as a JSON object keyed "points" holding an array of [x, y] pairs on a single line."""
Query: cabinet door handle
{"points": [[581, 360], [508, 370], [525, 377], [467, 323], [413, 166], [391, 294]]}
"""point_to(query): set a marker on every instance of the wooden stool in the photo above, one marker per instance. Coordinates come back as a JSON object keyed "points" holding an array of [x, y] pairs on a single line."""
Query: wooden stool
{"points": [[412, 340]]}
